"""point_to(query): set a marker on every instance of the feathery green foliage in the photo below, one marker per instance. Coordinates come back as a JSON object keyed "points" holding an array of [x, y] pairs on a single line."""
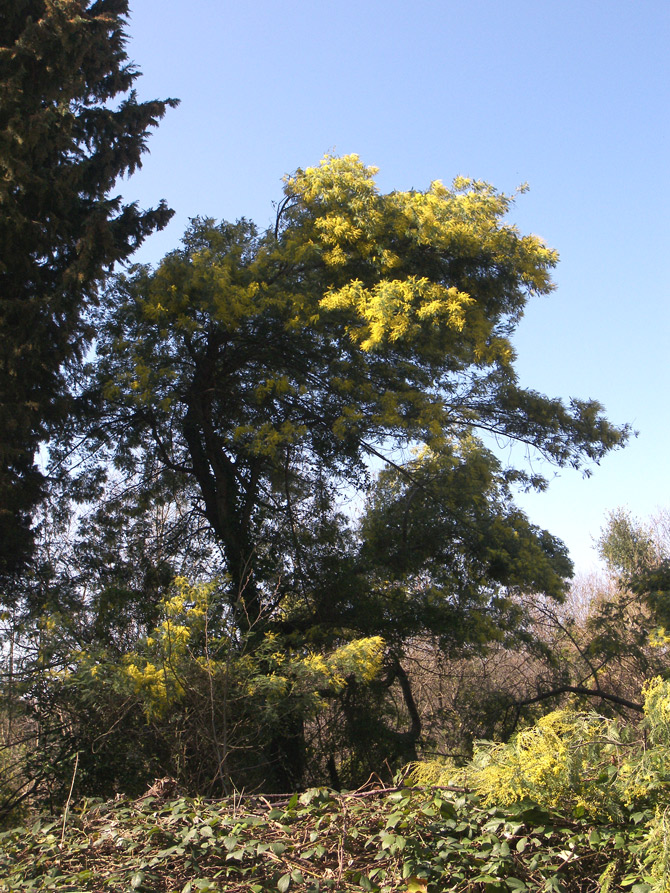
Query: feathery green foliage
{"points": [[269, 368]]}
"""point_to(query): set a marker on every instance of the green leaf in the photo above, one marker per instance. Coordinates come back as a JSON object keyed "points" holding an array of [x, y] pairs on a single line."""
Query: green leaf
{"points": [[417, 885], [284, 882], [137, 880], [388, 840]]}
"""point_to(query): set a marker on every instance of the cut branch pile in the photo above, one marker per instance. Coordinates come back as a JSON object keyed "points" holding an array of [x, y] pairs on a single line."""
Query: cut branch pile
{"points": [[410, 839]]}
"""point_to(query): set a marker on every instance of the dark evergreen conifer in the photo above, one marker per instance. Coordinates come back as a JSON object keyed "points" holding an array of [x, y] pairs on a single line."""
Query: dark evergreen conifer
{"points": [[63, 145]]}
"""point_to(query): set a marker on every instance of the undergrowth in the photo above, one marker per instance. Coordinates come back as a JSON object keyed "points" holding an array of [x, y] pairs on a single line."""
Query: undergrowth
{"points": [[421, 840], [577, 804]]}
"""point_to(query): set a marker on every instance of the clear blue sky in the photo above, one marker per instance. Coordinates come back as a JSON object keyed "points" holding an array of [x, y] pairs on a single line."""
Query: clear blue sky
{"points": [[572, 97]]}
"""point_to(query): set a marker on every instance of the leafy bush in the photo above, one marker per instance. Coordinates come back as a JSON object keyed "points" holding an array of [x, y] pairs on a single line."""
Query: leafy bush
{"points": [[586, 768], [195, 700]]}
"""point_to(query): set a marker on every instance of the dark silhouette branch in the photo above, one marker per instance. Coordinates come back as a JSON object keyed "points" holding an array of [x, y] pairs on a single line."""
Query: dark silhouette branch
{"points": [[580, 690]]}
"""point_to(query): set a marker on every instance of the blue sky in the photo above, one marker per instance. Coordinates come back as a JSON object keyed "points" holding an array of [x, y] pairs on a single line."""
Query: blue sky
{"points": [[571, 97]]}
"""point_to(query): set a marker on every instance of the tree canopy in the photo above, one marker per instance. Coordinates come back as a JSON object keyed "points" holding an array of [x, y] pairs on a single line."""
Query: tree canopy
{"points": [[286, 481], [268, 368], [63, 145]]}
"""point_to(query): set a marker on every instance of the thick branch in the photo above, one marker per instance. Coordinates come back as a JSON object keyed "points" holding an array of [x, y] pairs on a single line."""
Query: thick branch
{"points": [[579, 690], [406, 688]]}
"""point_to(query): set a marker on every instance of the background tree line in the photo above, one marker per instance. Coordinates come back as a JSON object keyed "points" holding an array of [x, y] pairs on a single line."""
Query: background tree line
{"points": [[270, 542]]}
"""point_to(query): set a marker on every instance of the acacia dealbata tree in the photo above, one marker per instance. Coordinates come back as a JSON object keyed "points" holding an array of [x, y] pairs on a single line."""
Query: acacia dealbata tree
{"points": [[63, 145], [268, 374]]}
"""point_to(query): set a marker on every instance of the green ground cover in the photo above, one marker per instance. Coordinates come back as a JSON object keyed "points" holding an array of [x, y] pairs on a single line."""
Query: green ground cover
{"points": [[410, 838]]}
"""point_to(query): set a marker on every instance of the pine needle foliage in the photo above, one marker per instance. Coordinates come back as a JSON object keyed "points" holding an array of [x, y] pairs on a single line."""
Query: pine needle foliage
{"points": [[63, 145]]}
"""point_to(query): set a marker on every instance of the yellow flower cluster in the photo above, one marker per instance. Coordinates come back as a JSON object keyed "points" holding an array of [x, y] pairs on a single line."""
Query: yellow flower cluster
{"points": [[155, 671], [536, 760]]}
